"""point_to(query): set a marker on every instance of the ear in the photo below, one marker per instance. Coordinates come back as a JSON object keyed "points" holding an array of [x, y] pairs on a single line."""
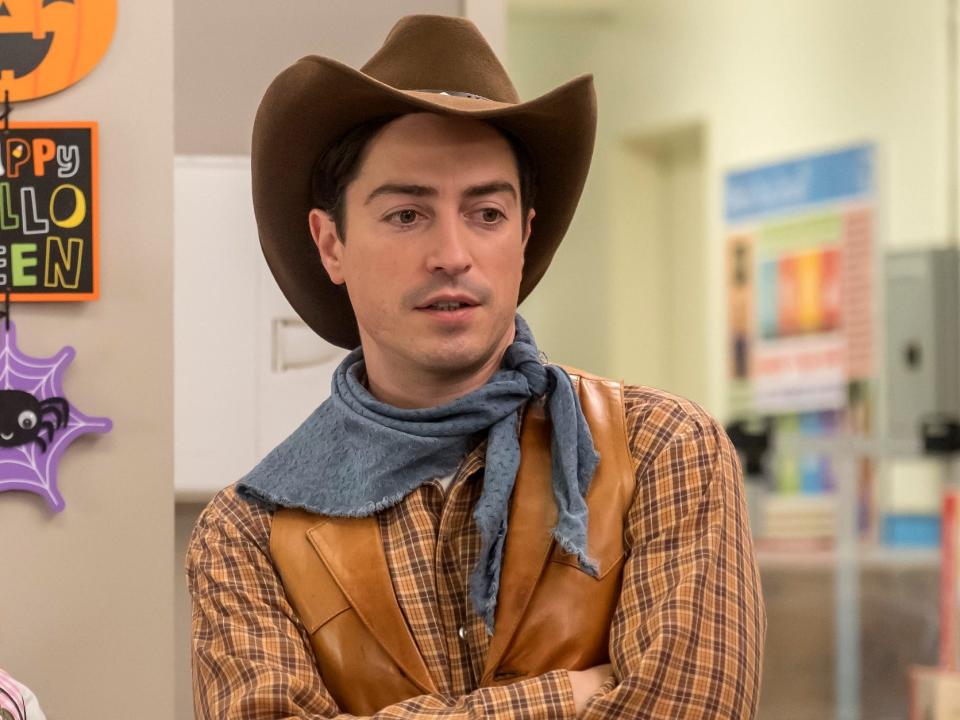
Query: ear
{"points": [[528, 228], [327, 239]]}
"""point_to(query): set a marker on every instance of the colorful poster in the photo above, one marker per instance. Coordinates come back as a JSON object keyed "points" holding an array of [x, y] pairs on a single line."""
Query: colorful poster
{"points": [[799, 277], [49, 211]]}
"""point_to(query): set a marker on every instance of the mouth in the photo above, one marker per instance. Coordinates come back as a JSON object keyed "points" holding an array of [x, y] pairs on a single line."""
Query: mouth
{"points": [[448, 303], [445, 306], [22, 53], [450, 308]]}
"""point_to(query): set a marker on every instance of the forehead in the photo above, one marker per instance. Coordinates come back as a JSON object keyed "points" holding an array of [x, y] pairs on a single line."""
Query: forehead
{"points": [[431, 144]]}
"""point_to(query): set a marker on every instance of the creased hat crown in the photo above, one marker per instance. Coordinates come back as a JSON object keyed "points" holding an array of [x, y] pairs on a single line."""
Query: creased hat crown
{"points": [[430, 52]]}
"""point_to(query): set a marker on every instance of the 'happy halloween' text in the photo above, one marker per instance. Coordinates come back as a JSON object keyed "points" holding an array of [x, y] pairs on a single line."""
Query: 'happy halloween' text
{"points": [[47, 212]]}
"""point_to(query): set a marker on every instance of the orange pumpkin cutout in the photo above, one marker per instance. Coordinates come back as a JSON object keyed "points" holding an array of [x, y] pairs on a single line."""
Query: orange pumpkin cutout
{"points": [[47, 45]]}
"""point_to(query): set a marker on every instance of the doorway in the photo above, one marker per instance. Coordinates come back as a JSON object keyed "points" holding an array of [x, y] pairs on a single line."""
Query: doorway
{"points": [[659, 293]]}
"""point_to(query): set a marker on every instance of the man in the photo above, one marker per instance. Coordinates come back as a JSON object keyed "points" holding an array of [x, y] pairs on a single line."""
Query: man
{"points": [[461, 530]]}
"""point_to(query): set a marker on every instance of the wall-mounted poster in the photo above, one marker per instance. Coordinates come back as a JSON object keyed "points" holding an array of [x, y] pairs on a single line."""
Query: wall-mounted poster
{"points": [[800, 262], [48, 45], [49, 211]]}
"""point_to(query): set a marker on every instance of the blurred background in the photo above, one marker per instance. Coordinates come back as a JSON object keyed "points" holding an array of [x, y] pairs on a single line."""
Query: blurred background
{"points": [[770, 228]]}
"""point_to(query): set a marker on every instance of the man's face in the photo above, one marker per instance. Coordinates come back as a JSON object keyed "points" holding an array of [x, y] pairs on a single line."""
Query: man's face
{"points": [[433, 256]]}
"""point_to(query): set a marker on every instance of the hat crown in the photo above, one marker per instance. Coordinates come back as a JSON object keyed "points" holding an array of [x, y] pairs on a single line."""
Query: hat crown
{"points": [[434, 52]]}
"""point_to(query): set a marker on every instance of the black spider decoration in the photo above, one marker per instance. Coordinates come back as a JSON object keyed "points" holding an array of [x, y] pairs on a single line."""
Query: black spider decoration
{"points": [[22, 418]]}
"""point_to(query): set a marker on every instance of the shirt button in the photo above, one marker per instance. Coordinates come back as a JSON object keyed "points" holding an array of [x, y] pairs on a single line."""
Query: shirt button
{"points": [[462, 633]]}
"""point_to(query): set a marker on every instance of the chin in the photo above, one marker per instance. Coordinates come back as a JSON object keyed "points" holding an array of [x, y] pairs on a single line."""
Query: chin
{"points": [[456, 358]]}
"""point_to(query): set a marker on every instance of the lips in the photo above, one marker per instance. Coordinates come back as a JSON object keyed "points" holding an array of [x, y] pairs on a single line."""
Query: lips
{"points": [[448, 303], [449, 310], [22, 53], [446, 306]]}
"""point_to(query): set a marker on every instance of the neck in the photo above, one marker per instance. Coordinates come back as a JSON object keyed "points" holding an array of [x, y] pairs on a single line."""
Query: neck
{"points": [[422, 388]]}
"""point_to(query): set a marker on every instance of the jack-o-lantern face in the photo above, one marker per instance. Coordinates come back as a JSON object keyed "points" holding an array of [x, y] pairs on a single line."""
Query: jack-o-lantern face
{"points": [[47, 45]]}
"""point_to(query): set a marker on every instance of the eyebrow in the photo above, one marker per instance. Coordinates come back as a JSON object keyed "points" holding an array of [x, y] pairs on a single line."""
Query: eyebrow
{"points": [[396, 189], [426, 191], [490, 189]]}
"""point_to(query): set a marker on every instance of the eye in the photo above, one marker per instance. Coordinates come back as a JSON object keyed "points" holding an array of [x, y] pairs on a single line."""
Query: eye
{"points": [[407, 216], [490, 215], [27, 419], [51, 2]]}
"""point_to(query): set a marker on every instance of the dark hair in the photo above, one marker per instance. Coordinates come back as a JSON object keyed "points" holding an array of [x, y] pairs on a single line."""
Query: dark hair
{"points": [[338, 166]]}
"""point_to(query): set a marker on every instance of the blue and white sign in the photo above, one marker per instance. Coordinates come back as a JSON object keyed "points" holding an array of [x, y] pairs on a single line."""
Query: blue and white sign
{"points": [[794, 184]]}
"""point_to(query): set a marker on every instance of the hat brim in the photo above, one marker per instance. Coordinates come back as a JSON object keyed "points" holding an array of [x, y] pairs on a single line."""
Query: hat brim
{"points": [[317, 100]]}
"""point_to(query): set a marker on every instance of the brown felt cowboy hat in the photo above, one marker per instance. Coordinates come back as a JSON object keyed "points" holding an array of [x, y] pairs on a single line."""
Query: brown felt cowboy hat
{"points": [[427, 64]]}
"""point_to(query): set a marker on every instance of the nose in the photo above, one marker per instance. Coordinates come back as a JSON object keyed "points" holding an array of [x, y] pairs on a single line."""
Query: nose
{"points": [[449, 249]]}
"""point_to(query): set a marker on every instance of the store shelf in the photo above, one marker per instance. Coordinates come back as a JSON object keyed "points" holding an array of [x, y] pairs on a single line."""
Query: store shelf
{"points": [[901, 558], [872, 558], [789, 560]]}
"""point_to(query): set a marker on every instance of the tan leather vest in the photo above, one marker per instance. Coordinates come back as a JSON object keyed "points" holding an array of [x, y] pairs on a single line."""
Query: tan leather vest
{"points": [[550, 614]]}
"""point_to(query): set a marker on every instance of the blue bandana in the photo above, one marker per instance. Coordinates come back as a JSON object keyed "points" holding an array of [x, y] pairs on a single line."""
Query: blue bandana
{"points": [[355, 455]]}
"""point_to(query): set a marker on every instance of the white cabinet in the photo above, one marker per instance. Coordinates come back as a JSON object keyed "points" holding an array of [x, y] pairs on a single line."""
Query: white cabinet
{"points": [[247, 371]]}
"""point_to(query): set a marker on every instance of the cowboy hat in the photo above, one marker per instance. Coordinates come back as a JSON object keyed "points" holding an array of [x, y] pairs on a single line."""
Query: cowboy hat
{"points": [[427, 64]]}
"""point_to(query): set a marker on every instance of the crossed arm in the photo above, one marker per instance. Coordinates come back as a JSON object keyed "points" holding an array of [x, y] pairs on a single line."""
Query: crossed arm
{"points": [[686, 638]]}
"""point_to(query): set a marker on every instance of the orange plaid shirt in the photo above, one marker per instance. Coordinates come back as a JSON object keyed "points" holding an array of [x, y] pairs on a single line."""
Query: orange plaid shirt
{"points": [[686, 639]]}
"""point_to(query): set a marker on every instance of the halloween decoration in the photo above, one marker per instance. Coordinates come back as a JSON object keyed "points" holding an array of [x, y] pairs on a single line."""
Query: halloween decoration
{"points": [[47, 45], [21, 418], [49, 211], [37, 422]]}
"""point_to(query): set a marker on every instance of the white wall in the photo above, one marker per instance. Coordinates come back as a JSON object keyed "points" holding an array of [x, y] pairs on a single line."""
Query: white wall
{"points": [[766, 80], [228, 51]]}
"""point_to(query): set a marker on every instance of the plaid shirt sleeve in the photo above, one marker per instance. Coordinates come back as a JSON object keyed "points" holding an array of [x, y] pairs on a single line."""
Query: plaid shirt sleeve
{"points": [[251, 655], [687, 636]]}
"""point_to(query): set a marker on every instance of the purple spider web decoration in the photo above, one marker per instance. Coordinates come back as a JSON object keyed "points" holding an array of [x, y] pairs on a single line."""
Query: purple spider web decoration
{"points": [[27, 466]]}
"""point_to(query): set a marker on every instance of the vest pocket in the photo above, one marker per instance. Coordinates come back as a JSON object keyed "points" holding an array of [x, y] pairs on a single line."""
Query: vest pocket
{"points": [[606, 563], [318, 611], [567, 622], [358, 673], [320, 622]]}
